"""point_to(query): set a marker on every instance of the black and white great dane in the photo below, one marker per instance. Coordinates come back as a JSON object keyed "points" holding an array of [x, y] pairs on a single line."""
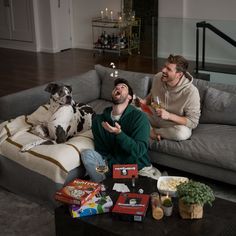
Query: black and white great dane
{"points": [[65, 118]]}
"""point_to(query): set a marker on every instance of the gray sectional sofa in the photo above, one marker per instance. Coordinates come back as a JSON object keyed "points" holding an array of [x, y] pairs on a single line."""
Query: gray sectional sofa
{"points": [[210, 152]]}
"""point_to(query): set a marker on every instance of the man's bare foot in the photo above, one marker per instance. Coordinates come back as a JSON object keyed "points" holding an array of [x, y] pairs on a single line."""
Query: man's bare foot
{"points": [[158, 137], [152, 134]]}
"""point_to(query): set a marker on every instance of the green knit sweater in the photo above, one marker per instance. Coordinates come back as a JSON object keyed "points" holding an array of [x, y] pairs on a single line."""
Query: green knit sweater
{"points": [[128, 147]]}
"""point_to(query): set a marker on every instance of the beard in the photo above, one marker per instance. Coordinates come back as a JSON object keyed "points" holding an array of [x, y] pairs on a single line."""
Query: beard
{"points": [[120, 100]]}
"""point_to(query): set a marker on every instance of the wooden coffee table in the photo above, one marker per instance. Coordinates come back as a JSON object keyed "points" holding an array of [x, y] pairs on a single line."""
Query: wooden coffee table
{"points": [[217, 220]]}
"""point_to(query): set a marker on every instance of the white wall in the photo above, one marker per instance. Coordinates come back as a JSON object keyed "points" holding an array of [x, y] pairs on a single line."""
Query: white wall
{"points": [[170, 8], [210, 9], [177, 28], [44, 26], [54, 25], [200, 9]]}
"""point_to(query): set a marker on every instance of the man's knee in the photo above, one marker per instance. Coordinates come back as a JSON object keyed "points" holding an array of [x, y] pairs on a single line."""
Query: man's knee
{"points": [[182, 133], [87, 156], [176, 133]]}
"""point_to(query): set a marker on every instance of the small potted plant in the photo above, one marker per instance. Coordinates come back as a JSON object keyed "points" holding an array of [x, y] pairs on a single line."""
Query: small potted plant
{"points": [[167, 206], [192, 197]]}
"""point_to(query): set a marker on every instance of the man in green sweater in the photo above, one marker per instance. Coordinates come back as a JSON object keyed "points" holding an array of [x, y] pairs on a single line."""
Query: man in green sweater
{"points": [[121, 134]]}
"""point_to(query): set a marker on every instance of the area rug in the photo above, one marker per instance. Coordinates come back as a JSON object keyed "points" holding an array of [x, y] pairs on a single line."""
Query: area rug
{"points": [[22, 217]]}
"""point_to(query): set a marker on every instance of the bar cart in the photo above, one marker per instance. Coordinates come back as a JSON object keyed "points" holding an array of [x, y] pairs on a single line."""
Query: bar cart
{"points": [[116, 35]]}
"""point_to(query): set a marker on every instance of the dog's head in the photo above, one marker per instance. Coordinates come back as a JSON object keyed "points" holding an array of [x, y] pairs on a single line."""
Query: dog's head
{"points": [[60, 93]]}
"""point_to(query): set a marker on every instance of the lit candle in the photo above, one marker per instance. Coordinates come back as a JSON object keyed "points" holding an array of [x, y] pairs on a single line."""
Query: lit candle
{"points": [[133, 15], [120, 18], [102, 15], [106, 12], [111, 14], [165, 197]]}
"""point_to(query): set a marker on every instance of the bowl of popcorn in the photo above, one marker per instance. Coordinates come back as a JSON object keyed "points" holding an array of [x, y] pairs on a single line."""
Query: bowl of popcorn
{"points": [[168, 184]]}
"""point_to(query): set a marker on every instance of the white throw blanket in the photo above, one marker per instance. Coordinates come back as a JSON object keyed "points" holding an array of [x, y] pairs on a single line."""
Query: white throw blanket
{"points": [[52, 161]]}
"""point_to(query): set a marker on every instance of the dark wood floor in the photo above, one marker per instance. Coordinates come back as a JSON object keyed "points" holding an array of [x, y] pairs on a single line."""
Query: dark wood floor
{"points": [[21, 70]]}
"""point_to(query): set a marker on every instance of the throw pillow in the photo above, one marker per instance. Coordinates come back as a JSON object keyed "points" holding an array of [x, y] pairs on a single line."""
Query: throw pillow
{"points": [[219, 107], [80, 83], [139, 85], [140, 82]]}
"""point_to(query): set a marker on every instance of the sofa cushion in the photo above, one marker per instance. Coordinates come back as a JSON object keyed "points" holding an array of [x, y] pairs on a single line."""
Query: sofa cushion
{"points": [[99, 105], [202, 86], [85, 87], [140, 82], [210, 144], [219, 107]]}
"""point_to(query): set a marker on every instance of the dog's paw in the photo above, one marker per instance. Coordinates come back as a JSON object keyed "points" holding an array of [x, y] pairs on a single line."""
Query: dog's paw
{"points": [[40, 130]]}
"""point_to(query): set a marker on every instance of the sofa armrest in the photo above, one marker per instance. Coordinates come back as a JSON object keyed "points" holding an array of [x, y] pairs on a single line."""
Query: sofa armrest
{"points": [[22, 103]]}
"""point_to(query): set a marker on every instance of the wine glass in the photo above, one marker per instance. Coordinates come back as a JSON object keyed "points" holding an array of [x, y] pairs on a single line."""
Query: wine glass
{"points": [[156, 103], [102, 168]]}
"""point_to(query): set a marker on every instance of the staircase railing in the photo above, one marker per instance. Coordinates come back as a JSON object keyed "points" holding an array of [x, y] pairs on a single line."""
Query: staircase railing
{"points": [[205, 26]]}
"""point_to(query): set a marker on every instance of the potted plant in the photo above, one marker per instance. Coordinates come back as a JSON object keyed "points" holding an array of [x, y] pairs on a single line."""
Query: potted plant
{"points": [[167, 206], [192, 197]]}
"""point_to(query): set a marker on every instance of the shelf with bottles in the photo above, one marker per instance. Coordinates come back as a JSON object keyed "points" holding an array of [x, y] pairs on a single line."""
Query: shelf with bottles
{"points": [[116, 35], [116, 23], [116, 41]]}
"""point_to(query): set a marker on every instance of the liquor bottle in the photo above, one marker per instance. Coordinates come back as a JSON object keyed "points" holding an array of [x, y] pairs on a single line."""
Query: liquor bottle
{"points": [[109, 44], [105, 40], [122, 41], [113, 41], [102, 39]]}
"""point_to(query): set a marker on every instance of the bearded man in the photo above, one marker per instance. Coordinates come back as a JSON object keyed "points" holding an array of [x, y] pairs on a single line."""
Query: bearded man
{"points": [[121, 134], [174, 100]]}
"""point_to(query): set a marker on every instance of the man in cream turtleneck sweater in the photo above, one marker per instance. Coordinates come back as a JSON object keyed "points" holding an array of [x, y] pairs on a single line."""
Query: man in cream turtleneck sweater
{"points": [[174, 101]]}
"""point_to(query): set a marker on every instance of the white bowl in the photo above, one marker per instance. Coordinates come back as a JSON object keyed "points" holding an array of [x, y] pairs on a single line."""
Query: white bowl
{"points": [[167, 184]]}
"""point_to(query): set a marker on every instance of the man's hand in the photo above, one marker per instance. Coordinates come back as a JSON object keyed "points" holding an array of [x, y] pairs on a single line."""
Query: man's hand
{"points": [[154, 135], [165, 115], [138, 101], [112, 129]]}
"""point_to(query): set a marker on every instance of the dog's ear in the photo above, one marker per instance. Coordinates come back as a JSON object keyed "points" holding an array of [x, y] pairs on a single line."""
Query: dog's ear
{"points": [[51, 88], [69, 87]]}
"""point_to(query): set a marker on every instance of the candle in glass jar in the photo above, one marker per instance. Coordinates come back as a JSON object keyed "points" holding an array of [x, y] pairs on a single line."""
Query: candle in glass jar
{"points": [[111, 15], [106, 12], [102, 14], [165, 197], [133, 15]]}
